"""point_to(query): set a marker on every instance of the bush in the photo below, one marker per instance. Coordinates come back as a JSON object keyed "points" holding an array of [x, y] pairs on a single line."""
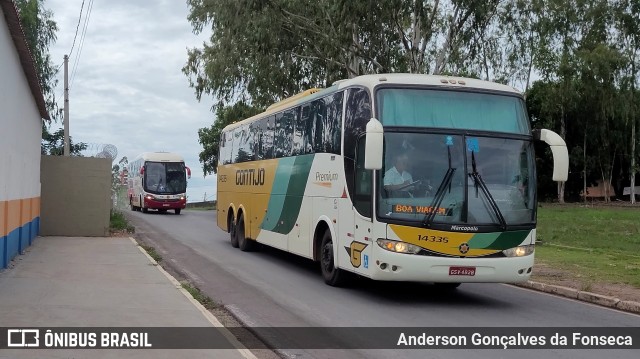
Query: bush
{"points": [[118, 223]]}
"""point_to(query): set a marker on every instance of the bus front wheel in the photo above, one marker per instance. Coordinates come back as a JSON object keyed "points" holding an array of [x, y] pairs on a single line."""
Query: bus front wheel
{"points": [[178, 210], [332, 275], [245, 244], [142, 207]]}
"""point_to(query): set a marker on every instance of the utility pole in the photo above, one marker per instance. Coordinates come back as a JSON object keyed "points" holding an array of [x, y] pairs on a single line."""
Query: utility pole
{"points": [[66, 105]]}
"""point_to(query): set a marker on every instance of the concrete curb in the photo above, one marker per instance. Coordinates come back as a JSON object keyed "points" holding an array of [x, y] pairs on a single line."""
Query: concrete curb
{"points": [[246, 353], [593, 298]]}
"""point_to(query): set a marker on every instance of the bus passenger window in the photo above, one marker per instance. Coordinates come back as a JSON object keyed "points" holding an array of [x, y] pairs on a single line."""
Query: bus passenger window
{"points": [[299, 127], [306, 121]]}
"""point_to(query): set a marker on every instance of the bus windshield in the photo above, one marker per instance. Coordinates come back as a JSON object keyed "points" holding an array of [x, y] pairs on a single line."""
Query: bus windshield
{"points": [[452, 109], [165, 177], [455, 178]]}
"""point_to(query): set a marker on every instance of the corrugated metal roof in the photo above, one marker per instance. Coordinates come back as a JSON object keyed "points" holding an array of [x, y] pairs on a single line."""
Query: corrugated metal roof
{"points": [[28, 65]]}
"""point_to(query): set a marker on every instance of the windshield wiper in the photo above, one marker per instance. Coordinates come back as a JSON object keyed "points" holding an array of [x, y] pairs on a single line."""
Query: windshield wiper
{"points": [[479, 182], [440, 193]]}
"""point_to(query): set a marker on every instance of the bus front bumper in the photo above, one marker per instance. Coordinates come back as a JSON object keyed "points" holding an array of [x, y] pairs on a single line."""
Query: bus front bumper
{"points": [[158, 203], [392, 266]]}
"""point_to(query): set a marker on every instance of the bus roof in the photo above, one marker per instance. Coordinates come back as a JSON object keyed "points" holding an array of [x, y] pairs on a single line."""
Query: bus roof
{"points": [[370, 81], [160, 157]]}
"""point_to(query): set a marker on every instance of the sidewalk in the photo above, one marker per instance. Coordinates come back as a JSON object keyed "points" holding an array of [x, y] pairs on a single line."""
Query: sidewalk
{"points": [[97, 282]]}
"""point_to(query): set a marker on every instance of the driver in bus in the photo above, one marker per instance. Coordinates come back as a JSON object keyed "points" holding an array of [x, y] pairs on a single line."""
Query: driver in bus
{"points": [[397, 178]]}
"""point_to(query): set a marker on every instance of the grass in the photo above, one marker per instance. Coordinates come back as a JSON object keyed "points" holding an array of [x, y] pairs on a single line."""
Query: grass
{"points": [[210, 208], [199, 296], [152, 253], [596, 243], [118, 223]]}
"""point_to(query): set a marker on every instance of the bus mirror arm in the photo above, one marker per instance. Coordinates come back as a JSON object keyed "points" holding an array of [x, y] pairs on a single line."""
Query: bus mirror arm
{"points": [[559, 152], [373, 145]]}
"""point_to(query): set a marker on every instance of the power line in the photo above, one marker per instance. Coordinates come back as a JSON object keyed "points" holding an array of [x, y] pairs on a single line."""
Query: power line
{"points": [[77, 26], [81, 45]]}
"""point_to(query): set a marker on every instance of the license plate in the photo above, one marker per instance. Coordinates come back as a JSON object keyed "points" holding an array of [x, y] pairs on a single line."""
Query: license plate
{"points": [[165, 205], [468, 271]]}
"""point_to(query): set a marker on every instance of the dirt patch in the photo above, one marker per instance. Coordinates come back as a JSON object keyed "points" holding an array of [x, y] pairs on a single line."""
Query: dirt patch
{"points": [[544, 273]]}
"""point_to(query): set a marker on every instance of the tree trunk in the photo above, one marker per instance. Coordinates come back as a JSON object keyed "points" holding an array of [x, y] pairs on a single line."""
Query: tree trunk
{"points": [[632, 190], [584, 168], [633, 161], [563, 132]]}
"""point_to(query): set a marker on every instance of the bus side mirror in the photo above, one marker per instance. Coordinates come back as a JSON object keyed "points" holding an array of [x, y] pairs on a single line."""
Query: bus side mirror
{"points": [[188, 172], [373, 145], [559, 152]]}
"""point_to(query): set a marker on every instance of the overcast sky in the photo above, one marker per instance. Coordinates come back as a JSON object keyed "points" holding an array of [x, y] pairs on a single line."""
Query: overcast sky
{"points": [[128, 89]]}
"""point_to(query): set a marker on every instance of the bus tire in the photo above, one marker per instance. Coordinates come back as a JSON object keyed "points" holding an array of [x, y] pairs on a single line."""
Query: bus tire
{"points": [[332, 275], [232, 231], [178, 210], [245, 244]]}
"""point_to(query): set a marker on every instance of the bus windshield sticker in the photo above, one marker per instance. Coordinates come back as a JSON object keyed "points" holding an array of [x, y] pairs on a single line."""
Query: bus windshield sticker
{"points": [[473, 145], [410, 209], [448, 141]]}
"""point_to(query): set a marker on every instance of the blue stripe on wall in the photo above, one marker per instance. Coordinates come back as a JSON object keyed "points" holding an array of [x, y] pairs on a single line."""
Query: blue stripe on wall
{"points": [[24, 237], [17, 241], [33, 230], [13, 244], [3, 252]]}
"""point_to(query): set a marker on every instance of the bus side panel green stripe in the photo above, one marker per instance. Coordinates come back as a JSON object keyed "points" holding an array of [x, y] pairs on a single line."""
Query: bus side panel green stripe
{"points": [[286, 196], [498, 241], [278, 193], [295, 193]]}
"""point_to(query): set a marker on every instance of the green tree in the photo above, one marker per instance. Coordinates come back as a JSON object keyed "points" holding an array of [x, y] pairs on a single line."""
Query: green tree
{"points": [[40, 32], [271, 50], [53, 143], [628, 39], [209, 137]]}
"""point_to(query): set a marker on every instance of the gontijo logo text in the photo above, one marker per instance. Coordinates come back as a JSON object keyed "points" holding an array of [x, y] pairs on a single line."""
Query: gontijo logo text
{"points": [[250, 177]]}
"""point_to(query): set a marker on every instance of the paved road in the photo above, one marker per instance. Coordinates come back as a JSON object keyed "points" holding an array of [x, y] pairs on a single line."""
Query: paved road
{"points": [[272, 288]]}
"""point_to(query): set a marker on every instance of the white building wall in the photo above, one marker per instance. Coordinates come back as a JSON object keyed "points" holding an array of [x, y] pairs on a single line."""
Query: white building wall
{"points": [[20, 137], [20, 126]]}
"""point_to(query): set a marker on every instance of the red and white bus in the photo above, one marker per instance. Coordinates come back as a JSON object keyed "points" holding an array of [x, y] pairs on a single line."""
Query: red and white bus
{"points": [[158, 180]]}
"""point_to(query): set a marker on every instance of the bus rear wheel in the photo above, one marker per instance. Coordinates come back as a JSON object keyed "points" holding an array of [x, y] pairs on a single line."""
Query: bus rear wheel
{"points": [[232, 231], [332, 275], [245, 244]]}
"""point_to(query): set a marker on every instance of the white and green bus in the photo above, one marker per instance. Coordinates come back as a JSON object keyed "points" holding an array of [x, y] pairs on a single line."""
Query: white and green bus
{"points": [[396, 177]]}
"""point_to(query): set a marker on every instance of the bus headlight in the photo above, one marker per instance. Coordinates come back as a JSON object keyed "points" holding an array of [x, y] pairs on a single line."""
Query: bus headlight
{"points": [[519, 251], [398, 247], [149, 197]]}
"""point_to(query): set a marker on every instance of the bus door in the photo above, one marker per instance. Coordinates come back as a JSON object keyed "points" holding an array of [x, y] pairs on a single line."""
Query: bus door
{"points": [[363, 239]]}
